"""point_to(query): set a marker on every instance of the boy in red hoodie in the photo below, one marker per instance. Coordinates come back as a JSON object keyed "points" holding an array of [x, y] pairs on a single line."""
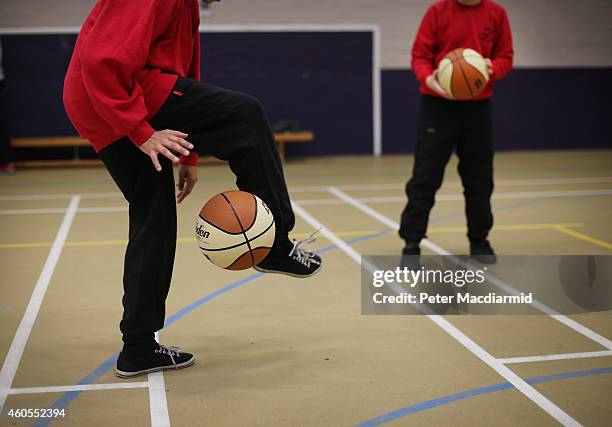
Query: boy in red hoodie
{"points": [[464, 126], [133, 90]]}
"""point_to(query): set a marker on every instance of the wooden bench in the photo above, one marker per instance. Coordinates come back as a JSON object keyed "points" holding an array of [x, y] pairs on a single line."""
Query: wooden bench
{"points": [[75, 142]]}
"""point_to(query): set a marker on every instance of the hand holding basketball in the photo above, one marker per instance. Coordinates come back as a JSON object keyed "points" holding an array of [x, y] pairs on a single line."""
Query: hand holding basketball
{"points": [[464, 73], [165, 142], [489, 64], [432, 83]]}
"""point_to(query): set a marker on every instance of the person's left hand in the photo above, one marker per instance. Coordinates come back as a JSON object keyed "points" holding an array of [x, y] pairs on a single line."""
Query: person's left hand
{"points": [[489, 66], [187, 178]]}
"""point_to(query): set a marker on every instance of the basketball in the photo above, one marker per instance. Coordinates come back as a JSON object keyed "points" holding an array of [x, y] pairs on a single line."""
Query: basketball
{"points": [[235, 230], [463, 74]]}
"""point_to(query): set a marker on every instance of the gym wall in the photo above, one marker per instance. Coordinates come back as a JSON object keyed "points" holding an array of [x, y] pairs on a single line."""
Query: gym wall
{"points": [[557, 97]]}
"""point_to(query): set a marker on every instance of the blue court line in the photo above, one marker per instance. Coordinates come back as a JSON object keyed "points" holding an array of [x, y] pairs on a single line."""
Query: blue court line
{"points": [[69, 396], [445, 400]]}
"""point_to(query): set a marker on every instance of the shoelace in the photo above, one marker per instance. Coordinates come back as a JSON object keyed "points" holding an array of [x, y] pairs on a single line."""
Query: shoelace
{"points": [[304, 256], [170, 350]]}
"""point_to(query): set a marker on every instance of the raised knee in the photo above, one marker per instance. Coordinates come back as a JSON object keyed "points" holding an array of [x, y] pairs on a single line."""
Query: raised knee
{"points": [[251, 107]]}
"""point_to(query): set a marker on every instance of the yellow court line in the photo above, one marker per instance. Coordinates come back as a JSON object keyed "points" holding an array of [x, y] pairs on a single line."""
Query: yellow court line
{"points": [[96, 243], [508, 227], [346, 233], [583, 236]]}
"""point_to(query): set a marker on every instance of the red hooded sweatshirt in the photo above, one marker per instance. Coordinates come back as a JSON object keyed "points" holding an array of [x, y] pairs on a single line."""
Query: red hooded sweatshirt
{"points": [[449, 25], [126, 61]]}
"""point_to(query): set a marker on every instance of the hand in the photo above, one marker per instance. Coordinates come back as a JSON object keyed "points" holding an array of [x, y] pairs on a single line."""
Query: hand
{"points": [[489, 66], [432, 83], [187, 178], [166, 142]]}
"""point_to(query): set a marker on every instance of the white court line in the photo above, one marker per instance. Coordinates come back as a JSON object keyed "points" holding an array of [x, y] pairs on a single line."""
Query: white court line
{"points": [[335, 201], [100, 209], [500, 284], [520, 384], [498, 183], [157, 398], [32, 211], [61, 196], [78, 387], [563, 356], [13, 357], [455, 197], [313, 189]]}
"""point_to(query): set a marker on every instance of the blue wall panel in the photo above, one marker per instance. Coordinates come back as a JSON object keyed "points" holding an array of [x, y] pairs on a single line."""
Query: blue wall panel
{"points": [[324, 81], [533, 109], [321, 79]]}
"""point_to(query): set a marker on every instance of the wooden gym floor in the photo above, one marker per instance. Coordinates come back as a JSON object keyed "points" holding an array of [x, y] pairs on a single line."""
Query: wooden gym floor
{"points": [[279, 351]]}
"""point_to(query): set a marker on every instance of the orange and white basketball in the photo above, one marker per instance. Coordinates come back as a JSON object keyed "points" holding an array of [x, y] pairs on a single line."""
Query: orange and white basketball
{"points": [[463, 74], [235, 230]]}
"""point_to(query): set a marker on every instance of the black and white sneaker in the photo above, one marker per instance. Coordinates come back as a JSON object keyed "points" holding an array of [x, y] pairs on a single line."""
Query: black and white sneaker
{"points": [[291, 259], [482, 252], [155, 360]]}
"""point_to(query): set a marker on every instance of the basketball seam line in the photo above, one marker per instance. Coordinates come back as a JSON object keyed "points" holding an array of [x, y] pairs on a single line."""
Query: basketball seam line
{"points": [[463, 73], [256, 211], [241, 227], [240, 244], [485, 77], [237, 259]]}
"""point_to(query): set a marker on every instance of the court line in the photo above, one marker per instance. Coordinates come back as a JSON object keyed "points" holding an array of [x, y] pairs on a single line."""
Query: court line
{"points": [[158, 402], [581, 236], [562, 356], [344, 233], [13, 357], [61, 196], [498, 183], [82, 387], [348, 187], [63, 401], [68, 397], [35, 211], [458, 197], [323, 202], [463, 395], [520, 384], [500, 284], [95, 243]]}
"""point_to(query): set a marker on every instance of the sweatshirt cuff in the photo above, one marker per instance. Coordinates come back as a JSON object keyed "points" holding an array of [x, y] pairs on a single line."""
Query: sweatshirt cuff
{"points": [[191, 159], [141, 133]]}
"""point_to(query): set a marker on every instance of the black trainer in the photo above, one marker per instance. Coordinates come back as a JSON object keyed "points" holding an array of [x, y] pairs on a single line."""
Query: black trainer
{"points": [[482, 252], [290, 259], [411, 256], [157, 359]]}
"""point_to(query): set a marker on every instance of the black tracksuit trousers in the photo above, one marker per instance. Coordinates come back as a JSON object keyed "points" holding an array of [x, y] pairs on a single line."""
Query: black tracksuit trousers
{"points": [[444, 126], [228, 125]]}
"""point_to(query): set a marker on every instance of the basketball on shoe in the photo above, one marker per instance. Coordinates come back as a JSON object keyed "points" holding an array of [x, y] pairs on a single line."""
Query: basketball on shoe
{"points": [[235, 230]]}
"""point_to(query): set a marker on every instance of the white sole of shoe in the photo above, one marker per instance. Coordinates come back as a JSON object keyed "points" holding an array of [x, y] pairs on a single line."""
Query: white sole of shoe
{"points": [[297, 276], [186, 364]]}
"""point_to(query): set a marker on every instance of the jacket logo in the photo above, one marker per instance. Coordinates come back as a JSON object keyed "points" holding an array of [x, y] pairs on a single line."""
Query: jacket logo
{"points": [[486, 35]]}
